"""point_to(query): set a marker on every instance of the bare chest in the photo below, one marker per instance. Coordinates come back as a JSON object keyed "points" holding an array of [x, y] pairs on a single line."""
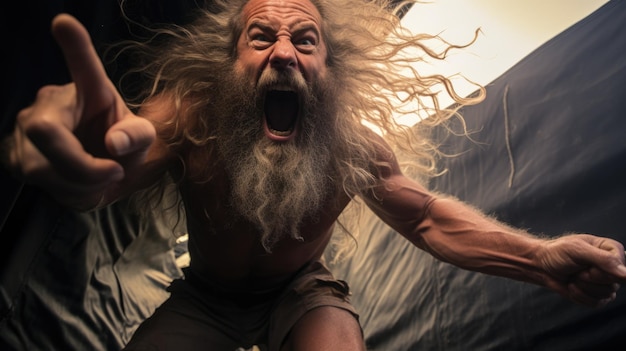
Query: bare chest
{"points": [[227, 248]]}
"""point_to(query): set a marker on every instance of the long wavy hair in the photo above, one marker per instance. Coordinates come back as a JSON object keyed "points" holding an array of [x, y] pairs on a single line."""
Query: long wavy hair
{"points": [[370, 55]]}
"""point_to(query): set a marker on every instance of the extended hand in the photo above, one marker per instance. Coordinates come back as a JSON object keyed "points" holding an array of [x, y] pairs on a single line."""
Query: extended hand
{"points": [[585, 268], [78, 141]]}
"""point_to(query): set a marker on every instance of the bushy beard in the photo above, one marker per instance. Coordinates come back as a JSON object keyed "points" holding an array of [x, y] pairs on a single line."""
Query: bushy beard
{"points": [[276, 185]]}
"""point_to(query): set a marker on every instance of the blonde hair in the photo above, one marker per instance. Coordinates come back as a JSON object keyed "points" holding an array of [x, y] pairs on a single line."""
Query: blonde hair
{"points": [[370, 56]]}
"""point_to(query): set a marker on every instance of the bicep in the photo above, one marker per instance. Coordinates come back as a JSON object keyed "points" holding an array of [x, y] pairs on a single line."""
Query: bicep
{"points": [[397, 199]]}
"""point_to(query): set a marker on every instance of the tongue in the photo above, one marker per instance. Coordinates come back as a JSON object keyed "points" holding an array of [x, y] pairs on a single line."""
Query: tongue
{"points": [[281, 110]]}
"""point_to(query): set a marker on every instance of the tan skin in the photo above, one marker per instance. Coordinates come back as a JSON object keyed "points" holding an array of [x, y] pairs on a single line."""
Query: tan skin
{"points": [[283, 36], [50, 149]]}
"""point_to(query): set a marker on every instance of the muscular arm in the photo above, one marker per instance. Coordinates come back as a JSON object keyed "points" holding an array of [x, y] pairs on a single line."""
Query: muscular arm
{"points": [[455, 232], [582, 267]]}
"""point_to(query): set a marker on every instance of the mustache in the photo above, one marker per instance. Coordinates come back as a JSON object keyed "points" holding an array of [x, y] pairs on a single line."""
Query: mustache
{"points": [[288, 80]]}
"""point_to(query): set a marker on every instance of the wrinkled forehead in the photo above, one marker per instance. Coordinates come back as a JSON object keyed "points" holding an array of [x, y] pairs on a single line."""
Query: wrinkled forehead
{"points": [[287, 10]]}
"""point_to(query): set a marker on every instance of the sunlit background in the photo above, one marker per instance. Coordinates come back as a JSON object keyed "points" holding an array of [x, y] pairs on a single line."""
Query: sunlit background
{"points": [[510, 30]]}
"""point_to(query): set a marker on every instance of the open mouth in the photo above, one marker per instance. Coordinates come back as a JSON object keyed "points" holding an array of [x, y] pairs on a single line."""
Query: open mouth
{"points": [[281, 113]]}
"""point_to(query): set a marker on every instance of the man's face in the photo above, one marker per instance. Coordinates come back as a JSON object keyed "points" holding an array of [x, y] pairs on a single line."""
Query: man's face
{"points": [[282, 52]]}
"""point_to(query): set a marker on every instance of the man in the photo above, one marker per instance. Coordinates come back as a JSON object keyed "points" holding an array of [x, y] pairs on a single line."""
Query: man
{"points": [[256, 116]]}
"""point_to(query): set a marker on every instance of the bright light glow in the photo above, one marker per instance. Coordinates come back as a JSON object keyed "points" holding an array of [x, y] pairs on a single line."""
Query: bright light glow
{"points": [[510, 30]]}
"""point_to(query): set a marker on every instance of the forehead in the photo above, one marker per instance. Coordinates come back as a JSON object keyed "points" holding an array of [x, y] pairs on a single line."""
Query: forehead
{"points": [[288, 12]]}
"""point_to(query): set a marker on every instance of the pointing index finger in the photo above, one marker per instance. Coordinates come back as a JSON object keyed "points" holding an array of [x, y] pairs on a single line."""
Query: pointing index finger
{"points": [[83, 62]]}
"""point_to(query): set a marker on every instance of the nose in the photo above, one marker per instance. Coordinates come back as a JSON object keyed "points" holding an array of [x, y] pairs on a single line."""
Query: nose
{"points": [[284, 55]]}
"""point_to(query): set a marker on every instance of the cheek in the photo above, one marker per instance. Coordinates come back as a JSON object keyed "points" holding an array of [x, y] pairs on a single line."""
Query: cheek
{"points": [[323, 70], [239, 68], [245, 69], [317, 63], [250, 63], [316, 69], [246, 57]]}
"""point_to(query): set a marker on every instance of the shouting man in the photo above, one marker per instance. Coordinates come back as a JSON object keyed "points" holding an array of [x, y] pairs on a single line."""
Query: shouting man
{"points": [[257, 112]]}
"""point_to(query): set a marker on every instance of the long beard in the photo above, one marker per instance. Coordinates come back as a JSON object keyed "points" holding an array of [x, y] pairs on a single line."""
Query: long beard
{"points": [[276, 186]]}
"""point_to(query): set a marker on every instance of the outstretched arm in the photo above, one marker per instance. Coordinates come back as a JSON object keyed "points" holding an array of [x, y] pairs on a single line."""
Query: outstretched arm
{"points": [[79, 141], [584, 268]]}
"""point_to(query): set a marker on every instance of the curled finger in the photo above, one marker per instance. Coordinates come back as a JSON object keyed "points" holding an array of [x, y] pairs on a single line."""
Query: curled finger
{"points": [[67, 156], [594, 295]]}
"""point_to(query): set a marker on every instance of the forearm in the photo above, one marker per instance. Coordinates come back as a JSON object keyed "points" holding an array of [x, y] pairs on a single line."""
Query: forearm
{"points": [[455, 232], [458, 234], [584, 268]]}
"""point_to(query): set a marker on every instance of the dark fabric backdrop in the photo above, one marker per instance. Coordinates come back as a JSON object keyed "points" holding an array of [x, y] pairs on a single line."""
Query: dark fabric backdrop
{"points": [[74, 281], [565, 126]]}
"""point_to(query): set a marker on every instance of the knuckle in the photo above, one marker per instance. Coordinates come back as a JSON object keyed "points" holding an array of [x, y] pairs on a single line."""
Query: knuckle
{"points": [[33, 170], [50, 109], [53, 92], [23, 115], [39, 127]]}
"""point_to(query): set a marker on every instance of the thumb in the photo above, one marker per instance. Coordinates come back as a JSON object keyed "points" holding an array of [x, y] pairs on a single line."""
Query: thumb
{"points": [[615, 262], [132, 135], [620, 270]]}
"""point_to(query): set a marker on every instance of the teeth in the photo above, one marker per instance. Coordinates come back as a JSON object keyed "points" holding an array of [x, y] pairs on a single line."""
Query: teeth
{"points": [[282, 88], [280, 132]]}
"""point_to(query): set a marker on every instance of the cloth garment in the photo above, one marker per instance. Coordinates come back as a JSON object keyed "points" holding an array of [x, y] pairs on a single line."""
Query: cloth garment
{"points": [[200, 316]]}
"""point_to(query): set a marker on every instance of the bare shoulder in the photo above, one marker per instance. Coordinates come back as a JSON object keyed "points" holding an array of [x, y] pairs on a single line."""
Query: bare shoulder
{"points": [[159, 108], [384, 162], [395, 191]]}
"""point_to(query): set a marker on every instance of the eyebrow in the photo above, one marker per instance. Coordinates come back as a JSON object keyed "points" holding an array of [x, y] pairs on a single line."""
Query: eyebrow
{"points": [[259, 24], [305, 27], [296, 29]]}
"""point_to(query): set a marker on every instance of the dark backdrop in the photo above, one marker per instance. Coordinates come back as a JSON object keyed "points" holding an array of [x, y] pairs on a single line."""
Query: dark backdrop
{"points": [[77, 281]]}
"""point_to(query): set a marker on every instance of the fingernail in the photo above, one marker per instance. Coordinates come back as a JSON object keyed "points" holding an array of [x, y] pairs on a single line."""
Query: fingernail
{"points": [[120, 142], [622, 269]]}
